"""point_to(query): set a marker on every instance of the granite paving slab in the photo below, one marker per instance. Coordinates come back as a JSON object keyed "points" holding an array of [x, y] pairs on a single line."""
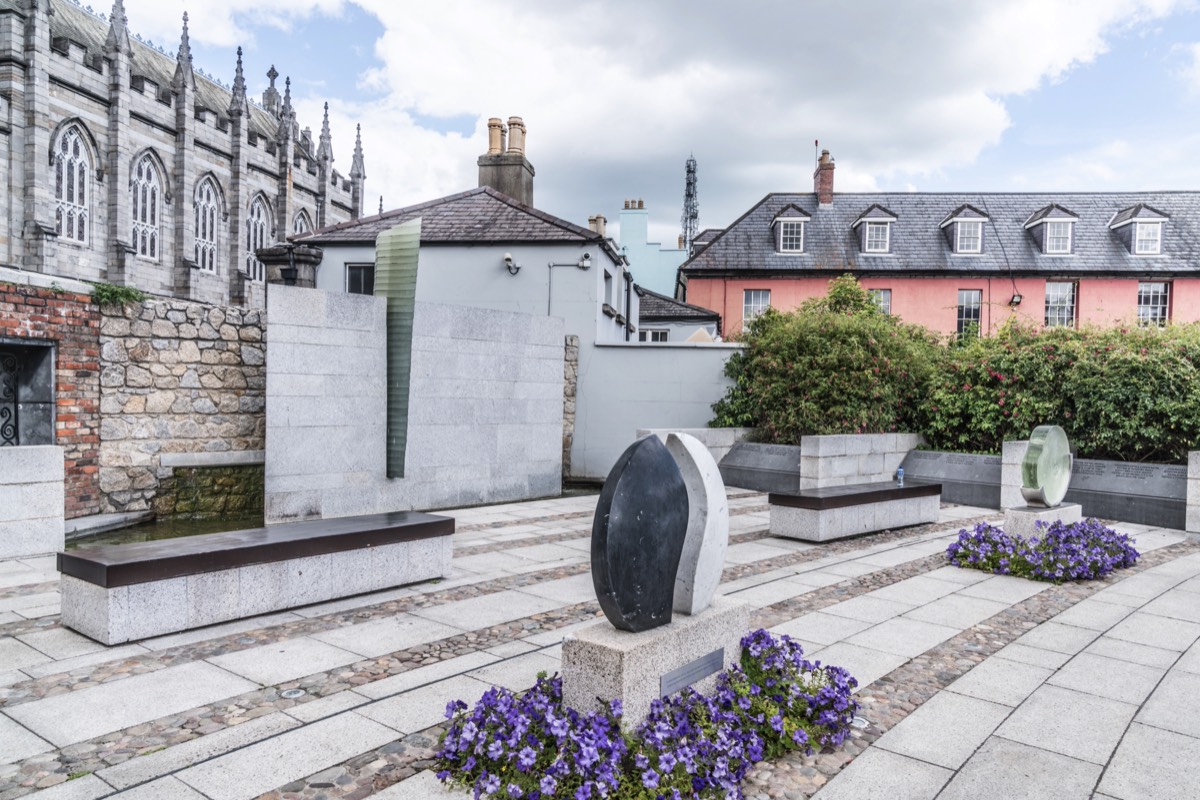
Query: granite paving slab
{"points": [[284, 661], [422, 786], [60, 643], [86, 787], [1060, 638], [115, 706], [253, 770], [956, 610], [1001, 681], [15, 654], [169, 788], [1108, 677], [1131, 651], [915, 591], [1015, 771], [821, 628], [17, 742], [381, 636], [422, 708], [869, 609], [1094, 614], [519, 673], [1070, 723], [863, 663], [1175, 704], [880, 775], [903, 637], [946, 730], [493, 609], [1005, 588], [1155, 631], [1153, 763], [1176, 605]]}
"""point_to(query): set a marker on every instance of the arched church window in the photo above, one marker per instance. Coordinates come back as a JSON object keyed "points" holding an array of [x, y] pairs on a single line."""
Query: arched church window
{"points": [[72, 185], [208, 207], [258, 227], [147, 195], [301, 224]]}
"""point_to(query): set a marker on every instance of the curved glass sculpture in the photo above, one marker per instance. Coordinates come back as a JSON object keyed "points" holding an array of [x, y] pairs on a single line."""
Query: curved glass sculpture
{"points": [[1046, 470]]}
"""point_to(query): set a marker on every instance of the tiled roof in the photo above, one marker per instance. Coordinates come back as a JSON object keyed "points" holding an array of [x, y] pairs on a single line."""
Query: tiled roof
{"points": [[655, 307], [920, 247], [1139, 212], [965, 211], [1052, 211], [476, 216]]}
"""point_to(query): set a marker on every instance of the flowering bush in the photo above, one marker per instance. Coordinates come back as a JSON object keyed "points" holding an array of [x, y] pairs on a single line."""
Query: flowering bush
{"points": [[690, 746], [1075, 552]]}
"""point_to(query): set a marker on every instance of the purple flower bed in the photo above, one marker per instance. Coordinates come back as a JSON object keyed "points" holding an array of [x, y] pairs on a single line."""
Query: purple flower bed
{"points": [[691, 745], [1076, 552]]}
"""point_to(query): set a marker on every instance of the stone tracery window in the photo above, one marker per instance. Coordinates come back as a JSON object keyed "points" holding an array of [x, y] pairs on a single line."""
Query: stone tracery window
{"points": [[72, 184], [258, 227], [301, 224], [147, 194], [207, 205]]}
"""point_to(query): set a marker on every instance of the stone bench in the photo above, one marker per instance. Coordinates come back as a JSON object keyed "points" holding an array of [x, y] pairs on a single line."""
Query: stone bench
{"points": [[834, 512], [118, 593]]}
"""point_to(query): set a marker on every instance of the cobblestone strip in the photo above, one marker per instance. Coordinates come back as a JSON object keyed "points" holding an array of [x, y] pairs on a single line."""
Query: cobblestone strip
{"points": [[893, 697], [24, 589]]}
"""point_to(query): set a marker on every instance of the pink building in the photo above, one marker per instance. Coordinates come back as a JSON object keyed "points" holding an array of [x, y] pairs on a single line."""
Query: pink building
{"points": [[951, 261]]}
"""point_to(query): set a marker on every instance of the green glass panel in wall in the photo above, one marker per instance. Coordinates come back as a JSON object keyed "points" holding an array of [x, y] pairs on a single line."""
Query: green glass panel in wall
{"points": [[396, 252]]}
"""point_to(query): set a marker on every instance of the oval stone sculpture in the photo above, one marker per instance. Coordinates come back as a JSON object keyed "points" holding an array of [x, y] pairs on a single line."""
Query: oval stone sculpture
{"points": [[1046, 469], [637, 537], [707, 528]]}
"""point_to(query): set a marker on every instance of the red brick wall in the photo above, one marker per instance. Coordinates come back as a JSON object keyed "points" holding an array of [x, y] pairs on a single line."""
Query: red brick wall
{"points": [[73, 322]]}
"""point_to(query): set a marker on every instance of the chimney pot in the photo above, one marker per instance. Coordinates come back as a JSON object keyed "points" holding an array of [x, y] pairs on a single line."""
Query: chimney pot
{"points": [[516, 135], [823, 179], [626, 205], [495, 137], [680, 247], [641, 205], [599, 224]]}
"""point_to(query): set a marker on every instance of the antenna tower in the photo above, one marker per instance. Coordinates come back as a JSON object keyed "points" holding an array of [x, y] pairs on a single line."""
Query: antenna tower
{"points": [[691, 207]]}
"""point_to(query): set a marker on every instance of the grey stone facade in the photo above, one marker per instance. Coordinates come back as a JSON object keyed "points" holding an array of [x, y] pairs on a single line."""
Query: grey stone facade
{"points": [[31, 500], [176, 378], [140, 171]]}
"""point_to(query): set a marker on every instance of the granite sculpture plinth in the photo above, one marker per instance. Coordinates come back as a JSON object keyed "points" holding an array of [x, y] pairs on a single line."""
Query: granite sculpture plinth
{"points": [[1022, 521], [707, 537], [638, 535], [600, 663]]}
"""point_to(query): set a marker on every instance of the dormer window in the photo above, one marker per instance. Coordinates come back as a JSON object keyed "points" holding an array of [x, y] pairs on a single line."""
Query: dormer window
{"points": [[963, 229], [789, 227], [1147, 240], [1053, 227], [1140, 229], [875, 230]]}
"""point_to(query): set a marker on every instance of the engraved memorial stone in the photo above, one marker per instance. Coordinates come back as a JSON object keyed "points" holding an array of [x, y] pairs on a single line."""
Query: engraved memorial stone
{"points": [[707, 528], [638, 536]]}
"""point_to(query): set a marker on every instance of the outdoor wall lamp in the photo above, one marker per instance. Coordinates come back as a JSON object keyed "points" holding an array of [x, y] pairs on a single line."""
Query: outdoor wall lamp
{"points": [[1016, 301], [511, 265]]}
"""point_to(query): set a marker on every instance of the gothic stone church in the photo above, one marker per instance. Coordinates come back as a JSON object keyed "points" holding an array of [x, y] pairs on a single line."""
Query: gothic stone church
{"points": [[125, 165]]}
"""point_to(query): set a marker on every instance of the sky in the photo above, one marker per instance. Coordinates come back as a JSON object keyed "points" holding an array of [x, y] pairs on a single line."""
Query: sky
{"points": [[920, 95]]}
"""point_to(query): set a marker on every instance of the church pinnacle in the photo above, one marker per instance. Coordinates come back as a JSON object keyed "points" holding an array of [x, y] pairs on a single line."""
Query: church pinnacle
{"points": [[118, 30], [183, 63], [357, 168], [325, 147], [237, 103]]}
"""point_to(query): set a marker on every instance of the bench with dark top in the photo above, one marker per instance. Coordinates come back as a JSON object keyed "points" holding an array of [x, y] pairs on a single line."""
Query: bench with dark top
{"points": [[834, 512], [116, 593]]}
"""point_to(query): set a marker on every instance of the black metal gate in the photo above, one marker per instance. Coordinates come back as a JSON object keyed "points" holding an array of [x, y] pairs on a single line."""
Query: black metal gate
{"points": [[9, 432]]}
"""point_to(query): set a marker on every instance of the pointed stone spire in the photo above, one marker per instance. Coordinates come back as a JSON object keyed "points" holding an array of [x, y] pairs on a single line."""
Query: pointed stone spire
{"points": [[357, 168], [237, 103], [287, 95], [325, 146], [184, 73], [118, 30], [287, 115]]}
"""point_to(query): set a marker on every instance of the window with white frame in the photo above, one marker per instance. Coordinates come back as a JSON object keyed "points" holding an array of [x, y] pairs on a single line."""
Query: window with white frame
{"points": [[970, 308], [72, 184], [1058, 238], [791, 236], [301, 224], [882, 298], [754, 302], [147, 194], [653, 335], [1060, 304], [1154, 303], [208, 209], [258, 226], [878, 237], [969, 237], [1147, 238]]}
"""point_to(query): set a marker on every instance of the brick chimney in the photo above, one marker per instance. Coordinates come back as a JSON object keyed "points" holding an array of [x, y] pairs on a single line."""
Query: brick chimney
{"points": [[823, 179], [504, 166]]}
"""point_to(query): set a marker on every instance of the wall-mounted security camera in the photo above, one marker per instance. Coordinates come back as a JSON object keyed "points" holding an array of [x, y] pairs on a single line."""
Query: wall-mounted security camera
{"points": [[511, 265], [585, 261]]}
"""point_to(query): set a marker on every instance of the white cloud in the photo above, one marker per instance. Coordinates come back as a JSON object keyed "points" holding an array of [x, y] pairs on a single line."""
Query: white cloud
{"points": [[616, 93]]}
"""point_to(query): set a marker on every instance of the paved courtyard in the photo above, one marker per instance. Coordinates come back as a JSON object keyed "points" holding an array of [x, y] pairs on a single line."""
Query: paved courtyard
{"points": [[971, 685]]}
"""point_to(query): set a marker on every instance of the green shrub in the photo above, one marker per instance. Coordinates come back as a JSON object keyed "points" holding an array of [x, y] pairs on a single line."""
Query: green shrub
{"points": [[108, 294], [836, 365]]}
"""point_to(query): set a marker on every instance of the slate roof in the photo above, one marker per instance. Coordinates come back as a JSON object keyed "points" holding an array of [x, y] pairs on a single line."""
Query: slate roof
{"points": [[654, 307], [87, 30], [478, 216], [920, 248], [1139, 212]]}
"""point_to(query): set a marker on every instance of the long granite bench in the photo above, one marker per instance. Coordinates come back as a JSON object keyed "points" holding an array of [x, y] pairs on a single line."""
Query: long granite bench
{"points": [[834, 512], [118, 593]]}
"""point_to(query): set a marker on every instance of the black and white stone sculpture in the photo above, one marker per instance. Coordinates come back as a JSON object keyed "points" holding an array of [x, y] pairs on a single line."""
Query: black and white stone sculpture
{"points": [[708, 524], [638, 535]]}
